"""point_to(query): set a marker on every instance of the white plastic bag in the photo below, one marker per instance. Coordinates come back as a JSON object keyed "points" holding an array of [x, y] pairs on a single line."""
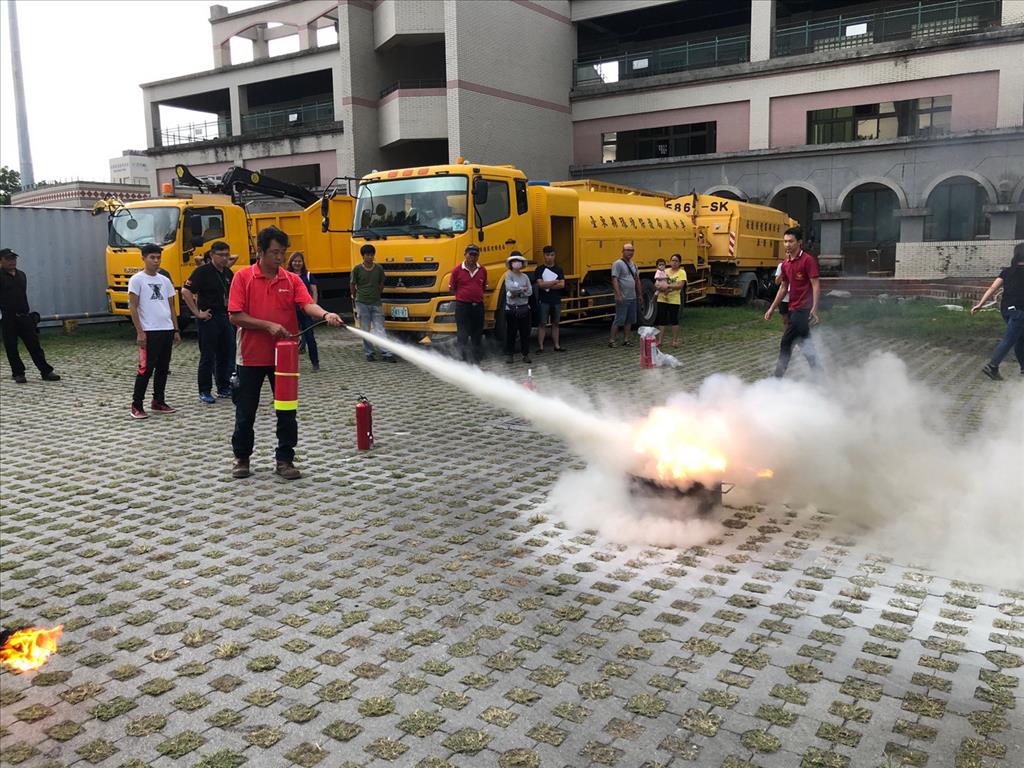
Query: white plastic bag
{"points": [[658, 357]]}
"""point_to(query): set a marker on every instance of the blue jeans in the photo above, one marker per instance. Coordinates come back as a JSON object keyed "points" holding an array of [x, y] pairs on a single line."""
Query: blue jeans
{"points": [[1012, 339], [371, 320], [308, 339]]}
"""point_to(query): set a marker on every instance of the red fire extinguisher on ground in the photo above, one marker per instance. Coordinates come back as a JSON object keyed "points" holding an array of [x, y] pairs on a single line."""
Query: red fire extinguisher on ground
{"points": [[364, 424], [646, 351], [286, 375]]}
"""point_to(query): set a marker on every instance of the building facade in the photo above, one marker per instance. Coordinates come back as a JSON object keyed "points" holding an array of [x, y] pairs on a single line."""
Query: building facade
{"points": [[132, 167], [78, 194], [877, 125]]}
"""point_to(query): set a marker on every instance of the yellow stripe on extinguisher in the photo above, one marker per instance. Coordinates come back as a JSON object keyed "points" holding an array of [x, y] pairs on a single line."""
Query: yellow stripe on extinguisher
{"points": [[286, 405], [286, 373]]}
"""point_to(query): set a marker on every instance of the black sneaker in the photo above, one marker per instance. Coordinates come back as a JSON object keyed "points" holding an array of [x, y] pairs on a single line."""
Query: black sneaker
{"points": [[992, 372], [51, 376], [510, 359], [20, 379], [371, 359], [526, 359]]}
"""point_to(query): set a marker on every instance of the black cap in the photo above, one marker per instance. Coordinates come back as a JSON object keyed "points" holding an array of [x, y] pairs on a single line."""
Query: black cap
{"points": [[472, 248], [7, 253]]}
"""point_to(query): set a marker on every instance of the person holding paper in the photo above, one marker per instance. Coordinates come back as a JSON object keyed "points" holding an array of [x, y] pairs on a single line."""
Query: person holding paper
{"points": [[550, 280]]}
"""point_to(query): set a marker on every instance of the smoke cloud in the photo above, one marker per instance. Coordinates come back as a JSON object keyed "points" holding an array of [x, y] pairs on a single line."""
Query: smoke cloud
{"points": [[873, 448]]}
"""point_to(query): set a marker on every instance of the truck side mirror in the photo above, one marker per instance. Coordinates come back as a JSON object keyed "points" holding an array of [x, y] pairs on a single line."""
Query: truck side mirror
{"points": [[479, 191], [325, 221]]}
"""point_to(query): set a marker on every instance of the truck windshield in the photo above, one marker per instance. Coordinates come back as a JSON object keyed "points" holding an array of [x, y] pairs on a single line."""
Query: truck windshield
{"points": [[131, 228], [420, 206]]}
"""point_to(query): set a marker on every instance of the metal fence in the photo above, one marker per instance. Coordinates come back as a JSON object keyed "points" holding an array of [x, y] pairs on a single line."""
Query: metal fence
{"points": [[192, 133], [922, 20], [62, 253], [299, 116], [696, 54]]}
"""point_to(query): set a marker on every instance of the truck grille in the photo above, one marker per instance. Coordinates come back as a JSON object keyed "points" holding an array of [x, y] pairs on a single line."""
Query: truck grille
{"points": [[409, 282], [423, 267]]}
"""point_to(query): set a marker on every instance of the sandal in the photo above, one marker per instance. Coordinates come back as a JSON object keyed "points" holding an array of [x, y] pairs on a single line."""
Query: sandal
{"points": [[627, 344], [611, 345]]}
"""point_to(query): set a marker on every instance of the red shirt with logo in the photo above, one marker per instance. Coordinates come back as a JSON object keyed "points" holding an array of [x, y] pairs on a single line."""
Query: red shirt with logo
{"points": [[468, 286], [798, 273], [265, 298]]}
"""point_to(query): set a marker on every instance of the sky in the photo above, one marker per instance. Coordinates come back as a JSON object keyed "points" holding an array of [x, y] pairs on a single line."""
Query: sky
{"points": [[83, 63]]}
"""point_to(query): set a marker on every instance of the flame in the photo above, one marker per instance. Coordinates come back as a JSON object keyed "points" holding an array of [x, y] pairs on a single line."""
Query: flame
{"points": [[683, 451], [28, 649], [766, 473]]}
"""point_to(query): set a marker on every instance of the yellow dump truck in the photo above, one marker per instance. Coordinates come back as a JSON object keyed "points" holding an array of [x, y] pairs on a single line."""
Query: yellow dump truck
{"points": [[421, 219], [741, 242], [186, 224]]}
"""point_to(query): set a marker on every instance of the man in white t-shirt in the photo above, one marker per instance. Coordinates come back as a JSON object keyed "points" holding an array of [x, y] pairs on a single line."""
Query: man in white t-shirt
{"points": [[784, 304], [151, 303]]}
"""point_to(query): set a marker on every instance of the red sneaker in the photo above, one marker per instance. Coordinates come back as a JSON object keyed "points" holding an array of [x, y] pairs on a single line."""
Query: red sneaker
{"points": [[138, 413], [156, 407]]}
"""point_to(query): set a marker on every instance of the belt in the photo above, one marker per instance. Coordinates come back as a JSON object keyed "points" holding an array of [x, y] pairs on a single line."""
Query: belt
{"points": [[470, 303]]}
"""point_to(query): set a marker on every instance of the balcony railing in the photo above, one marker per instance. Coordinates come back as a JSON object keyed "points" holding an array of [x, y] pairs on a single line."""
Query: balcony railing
{"points": [[412, 85], [920, 21], [193, 133], [661, 61], [300, 116]]}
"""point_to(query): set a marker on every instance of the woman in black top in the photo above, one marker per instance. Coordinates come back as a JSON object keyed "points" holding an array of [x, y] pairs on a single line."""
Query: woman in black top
{"points": [[297, 264], [1011, 280]]}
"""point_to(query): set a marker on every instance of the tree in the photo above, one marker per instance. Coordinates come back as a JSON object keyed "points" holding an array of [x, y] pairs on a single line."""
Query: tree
{"points": [[10, 182]]}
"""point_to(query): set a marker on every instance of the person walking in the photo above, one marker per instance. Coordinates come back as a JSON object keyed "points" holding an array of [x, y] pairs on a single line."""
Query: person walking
{"points": [[517, 308], [18, 322], [262, 305], [670, 299], [367, 284], [626, 284], [151, 304], [784, 304], [550, 281], [1011, 280], [206, 295], [297, 266], [799, 280], [468, 282]]}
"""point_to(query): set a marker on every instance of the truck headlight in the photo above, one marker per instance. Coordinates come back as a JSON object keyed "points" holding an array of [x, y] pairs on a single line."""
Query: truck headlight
{"points": [[445, 308]]}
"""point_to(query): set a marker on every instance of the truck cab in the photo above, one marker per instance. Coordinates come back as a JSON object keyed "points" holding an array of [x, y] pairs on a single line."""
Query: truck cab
{"points": [[184, 227]]}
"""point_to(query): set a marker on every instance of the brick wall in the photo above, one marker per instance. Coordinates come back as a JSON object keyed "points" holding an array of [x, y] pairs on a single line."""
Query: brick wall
{"points": [[972, 258]]}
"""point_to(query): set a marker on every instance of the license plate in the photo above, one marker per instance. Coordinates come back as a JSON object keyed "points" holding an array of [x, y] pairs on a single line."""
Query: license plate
{"points": [[402, 312]]}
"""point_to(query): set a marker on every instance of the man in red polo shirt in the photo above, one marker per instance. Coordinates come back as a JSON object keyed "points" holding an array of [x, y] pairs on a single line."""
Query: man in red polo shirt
{"points": [[800, 278], [468, 283], [262, 304]]}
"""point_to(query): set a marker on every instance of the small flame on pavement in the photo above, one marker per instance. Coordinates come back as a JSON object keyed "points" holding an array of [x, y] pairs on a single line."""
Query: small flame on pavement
{"points": [[682, 450], [28, 649]]}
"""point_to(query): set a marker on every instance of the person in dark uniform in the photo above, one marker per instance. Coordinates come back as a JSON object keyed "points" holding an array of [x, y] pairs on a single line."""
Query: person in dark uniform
{"points": [[206, 294], [1011, 280], [17, 320]]}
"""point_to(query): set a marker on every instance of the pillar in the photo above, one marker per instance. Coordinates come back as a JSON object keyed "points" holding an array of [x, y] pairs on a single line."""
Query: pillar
{"points": [[307, 36], [1003, 220], [153, 129], [912, 224], [831, 253], [260, 44], [762, 29]]}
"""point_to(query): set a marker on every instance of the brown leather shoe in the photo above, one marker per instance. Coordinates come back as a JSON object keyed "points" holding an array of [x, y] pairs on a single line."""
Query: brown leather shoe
{"points": [[241, 469], [287, 470]]}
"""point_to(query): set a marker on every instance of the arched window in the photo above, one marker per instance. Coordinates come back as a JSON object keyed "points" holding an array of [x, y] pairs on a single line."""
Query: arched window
{"points": [[956, 210], [873, 214]]}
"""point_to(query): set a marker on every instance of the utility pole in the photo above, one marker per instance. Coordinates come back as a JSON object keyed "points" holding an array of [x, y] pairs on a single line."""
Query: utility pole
{"points": [[24, 150]]}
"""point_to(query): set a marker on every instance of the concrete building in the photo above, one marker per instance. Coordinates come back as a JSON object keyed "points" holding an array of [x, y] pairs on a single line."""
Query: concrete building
{"points": [[132, 167], [880, 126], [78, 194]]}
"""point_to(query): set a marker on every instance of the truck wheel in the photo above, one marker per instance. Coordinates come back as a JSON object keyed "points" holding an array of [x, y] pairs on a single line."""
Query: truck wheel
{"points": [[751, 296], [650, 310]]}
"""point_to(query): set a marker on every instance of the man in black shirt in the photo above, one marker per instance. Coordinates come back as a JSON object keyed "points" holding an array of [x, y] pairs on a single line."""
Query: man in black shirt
{"points": [[17, 321], [549, 280], [1011, 280], [206, 294]]}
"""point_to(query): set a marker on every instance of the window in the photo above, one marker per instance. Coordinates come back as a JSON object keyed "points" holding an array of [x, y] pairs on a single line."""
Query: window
{"points": [[885, 120], [522, 203], [956, 211], [496, 208], [667, 141], [874, 219]]}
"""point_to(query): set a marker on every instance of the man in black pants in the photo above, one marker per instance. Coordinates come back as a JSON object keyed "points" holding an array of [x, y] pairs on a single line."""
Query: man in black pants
{"points": [[468, 282], [799, 279], [17, 320], [151, 304], [206, 294]]}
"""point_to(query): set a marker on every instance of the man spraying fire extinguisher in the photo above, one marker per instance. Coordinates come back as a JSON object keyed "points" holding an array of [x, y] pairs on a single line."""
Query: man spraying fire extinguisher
{"points": [[262, 305]]}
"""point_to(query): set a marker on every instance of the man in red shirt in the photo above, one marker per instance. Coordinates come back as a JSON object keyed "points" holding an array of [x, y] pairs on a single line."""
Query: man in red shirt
{"points": [[262, 304], [468, 282], [800, 278]]}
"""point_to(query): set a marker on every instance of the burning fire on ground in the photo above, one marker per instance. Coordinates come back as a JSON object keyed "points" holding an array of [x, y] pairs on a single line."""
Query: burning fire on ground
{"points": [[26, 649]]}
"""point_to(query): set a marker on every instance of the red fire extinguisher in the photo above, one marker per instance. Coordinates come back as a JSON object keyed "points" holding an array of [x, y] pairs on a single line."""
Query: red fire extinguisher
{"points": [[364, 424], [286, 375], [646, 351]]}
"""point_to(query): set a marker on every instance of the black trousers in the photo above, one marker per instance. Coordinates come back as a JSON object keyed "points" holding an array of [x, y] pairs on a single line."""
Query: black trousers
{"points": [[517, 325], [469, 325], [799, 329], [21, 327], [216, 353], [155, 357], [247, 401]]}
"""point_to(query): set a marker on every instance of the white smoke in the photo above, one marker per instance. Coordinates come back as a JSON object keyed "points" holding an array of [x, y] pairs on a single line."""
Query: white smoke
{"points": [[873, 448]]}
